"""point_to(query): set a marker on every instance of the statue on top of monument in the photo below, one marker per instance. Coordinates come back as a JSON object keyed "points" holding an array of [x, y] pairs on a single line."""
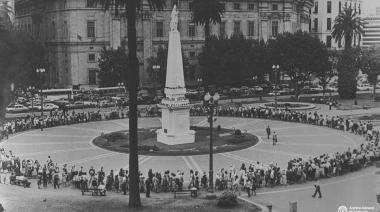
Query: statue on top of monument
{"points": [[174, 21]]}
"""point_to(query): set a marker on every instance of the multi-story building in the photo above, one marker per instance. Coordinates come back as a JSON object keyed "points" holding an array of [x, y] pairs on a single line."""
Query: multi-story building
{"points": [[75, 31], [323, 15], [371, 29]]}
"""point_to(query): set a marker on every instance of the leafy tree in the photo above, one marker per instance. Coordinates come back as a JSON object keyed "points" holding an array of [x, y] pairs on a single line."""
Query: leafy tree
{"points": [[347, 25], [231, 60], [324, 75], [112, 64], [131, 7], [20, 56], [347, 71], [299, 55], [370, 65], [206, 12]]}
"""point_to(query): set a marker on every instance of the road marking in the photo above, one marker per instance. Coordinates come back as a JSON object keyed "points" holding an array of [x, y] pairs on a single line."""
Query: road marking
{"points": [[238, 158], [47, 143], [87, 129], [307, 135], [187, 162], [145, 160], [12, 137], [63, 136], [195, 164], [87, 159], [50, 152], [305, 144], [275, 151], [120, 124]]}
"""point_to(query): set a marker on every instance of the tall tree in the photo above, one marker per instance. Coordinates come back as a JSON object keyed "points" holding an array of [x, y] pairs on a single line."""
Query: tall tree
{"points": [[5, 16], [206, 12], [328, 71], [347, 25], [131, 7], [347, 71], [20, 56], [299, 55], [370, 65], [112, 64]]}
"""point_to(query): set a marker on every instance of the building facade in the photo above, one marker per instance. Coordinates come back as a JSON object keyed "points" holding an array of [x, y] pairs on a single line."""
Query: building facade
{"points": [[75, 31], [371, 29], [323, 15]]}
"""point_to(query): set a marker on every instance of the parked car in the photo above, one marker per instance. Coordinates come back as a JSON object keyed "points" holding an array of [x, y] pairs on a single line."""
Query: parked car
{"points": [[16, 108]]}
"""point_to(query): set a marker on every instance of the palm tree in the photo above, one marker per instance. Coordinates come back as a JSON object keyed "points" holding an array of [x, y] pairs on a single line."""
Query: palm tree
{"points": [[206, 12], [131, 6], [347, 25]]}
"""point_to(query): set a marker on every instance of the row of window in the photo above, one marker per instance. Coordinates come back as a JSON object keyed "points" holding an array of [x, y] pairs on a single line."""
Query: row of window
{"points": [[329, 24], [191, 31], [329, 7]]}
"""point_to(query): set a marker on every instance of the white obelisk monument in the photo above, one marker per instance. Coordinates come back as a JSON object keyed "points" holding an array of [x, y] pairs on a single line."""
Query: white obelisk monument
{"points": [[175, 107]]}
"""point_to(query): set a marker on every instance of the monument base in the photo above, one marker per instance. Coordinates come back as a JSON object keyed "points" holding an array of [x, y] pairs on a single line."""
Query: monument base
{"points": [[174, 139]]}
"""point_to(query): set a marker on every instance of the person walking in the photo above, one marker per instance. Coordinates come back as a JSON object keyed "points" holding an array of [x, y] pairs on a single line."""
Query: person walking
{"points": [[268, 131], [317, 189], [274, 137]]}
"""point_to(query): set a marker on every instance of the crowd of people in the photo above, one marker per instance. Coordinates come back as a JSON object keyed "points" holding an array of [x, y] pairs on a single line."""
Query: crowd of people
{"points": [[248, 177]]}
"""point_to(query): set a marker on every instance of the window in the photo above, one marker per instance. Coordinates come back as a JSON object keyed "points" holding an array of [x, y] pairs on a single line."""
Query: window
{"points": [[328, 23], [274, 28], [91, 3], [329, 7], [91, 29], [340, 7], [316, 7], [328, 41], [274, 7], [65, 30], [64, 4], [316, 24], [236, 6], [236, 27], [92, 77], [251, 28], [192, 54], [191, 31], [251, 6], [91, 58], [222, 29], [53, 30], [339, 43], [160, 29]]}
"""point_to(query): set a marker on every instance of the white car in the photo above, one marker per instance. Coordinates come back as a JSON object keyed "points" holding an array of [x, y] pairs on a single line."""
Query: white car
{"points": [[16, 108], [47, 106]]}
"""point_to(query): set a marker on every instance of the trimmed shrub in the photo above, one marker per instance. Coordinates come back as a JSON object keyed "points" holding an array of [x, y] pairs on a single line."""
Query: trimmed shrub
{"points": [[238, 132], [227, 199]]}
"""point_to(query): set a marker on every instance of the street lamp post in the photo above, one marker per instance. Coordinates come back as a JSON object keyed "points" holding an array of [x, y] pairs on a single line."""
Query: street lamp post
{"points": [[275, 71], [156, 69], [210, 102], [41, 71], [31, 90]]}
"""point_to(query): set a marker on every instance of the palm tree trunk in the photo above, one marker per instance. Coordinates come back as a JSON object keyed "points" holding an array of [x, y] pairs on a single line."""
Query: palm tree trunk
{"points": [[347, 42], [374, 90], [134, 192], [207, 31]]}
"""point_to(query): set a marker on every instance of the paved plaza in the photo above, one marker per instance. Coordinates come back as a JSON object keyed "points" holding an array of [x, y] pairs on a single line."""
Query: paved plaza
{"points": [[72, 145]]}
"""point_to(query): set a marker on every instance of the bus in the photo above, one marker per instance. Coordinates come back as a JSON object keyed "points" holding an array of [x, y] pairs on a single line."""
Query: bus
{"points": [[110, 91], [57, 94]]}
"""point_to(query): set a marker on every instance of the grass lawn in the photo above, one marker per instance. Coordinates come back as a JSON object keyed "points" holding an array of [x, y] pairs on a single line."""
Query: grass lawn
{"points": [[224, 141]]}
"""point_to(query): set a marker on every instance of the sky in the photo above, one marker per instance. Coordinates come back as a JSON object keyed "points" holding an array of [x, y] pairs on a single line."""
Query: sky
{"points": [[369, 6]]}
